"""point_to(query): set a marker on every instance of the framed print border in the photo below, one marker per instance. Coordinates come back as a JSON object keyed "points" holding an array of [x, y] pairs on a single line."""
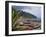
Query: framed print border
{"points": [[7, 17]]}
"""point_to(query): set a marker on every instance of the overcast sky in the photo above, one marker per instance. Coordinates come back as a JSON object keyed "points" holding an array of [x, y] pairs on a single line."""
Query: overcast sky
{"points": [[30, 9]]}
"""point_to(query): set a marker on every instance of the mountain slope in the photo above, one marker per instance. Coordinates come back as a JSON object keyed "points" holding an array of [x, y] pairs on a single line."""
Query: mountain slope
{"points": [[27, 15]]}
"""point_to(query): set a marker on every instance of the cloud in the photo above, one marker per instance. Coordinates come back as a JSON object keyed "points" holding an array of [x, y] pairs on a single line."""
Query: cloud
{"points": [[30, 9]]}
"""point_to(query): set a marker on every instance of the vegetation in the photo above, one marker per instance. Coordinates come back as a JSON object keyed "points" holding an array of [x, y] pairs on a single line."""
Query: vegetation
{"points": [[15, 16]]}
